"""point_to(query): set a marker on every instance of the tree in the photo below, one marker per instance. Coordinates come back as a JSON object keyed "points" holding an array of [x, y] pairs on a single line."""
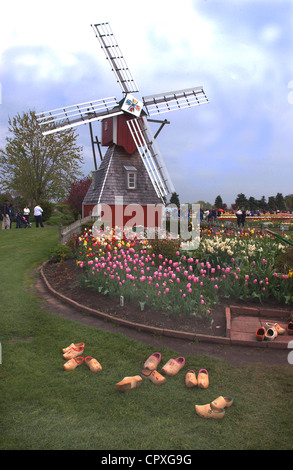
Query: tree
{"points": [[272, 206], [241, 201], [289, 202], [174, 199], [262, 204], [38, 167], [204, 205], [252, 204], [77, 192], [280, 202], [219, 202]]}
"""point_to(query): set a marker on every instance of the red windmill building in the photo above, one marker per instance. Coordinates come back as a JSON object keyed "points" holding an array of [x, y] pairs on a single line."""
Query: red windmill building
{"points": [[130, 185]]}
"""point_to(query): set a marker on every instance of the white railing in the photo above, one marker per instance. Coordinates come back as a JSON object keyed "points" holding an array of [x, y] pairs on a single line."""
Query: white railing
{"points": [[72, 229]]}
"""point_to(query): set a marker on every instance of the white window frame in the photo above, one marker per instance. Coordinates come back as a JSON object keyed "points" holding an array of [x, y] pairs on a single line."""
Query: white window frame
{"points": [[131, 177], [131, 180]]}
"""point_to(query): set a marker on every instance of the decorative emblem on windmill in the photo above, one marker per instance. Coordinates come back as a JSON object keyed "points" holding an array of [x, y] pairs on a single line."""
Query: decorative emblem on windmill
{"points": [[132, 167]]}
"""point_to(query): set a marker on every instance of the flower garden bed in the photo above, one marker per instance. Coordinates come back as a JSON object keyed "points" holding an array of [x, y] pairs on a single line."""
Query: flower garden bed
{"points": [[163, 286]]}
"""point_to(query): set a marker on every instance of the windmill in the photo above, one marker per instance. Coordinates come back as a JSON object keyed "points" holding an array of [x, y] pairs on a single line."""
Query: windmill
{"points": [[132, 176]]}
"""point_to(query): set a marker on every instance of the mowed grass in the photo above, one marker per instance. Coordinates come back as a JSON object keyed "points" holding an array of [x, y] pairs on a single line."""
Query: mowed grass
{"points": [[44, 407]]}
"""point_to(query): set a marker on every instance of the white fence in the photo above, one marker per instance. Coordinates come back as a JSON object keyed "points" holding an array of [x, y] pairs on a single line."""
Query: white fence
{"points": [[72, 229]]}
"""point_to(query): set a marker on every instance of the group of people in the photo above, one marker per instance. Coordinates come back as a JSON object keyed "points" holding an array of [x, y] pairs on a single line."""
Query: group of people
{"points": [[22, 218], [211, 215]]}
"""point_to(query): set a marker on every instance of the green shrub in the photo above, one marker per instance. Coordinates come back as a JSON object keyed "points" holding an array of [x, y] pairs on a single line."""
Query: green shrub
{"points": [[61, 253], [47, 209]]}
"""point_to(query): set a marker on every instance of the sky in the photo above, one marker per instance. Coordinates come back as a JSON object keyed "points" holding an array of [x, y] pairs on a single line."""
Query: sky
{"points": [[240, 51]]}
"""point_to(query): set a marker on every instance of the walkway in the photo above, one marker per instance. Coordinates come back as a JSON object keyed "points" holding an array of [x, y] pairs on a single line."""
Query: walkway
{"points": [[243, 322]]}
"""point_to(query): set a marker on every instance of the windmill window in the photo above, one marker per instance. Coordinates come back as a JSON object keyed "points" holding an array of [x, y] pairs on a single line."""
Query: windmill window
{"points": [[130, 177]]}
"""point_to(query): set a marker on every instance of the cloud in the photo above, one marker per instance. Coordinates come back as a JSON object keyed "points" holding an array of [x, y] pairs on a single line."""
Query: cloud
{"points": [[239, 51]]}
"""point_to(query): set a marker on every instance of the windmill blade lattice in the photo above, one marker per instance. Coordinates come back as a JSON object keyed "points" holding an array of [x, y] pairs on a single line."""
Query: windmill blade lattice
{"points": [[64, 118], [174, 100], [115, 57], [151, 157]]}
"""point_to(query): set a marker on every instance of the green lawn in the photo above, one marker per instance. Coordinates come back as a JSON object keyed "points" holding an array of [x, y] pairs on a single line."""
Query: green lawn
{"points": [[44, 407]]}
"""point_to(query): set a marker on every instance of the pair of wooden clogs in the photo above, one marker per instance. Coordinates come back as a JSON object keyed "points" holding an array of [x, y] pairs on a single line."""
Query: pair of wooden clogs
{"points": [[215, 409], [149, 371], [201, 381], [270, 332], [72, 354], [171, 368]]}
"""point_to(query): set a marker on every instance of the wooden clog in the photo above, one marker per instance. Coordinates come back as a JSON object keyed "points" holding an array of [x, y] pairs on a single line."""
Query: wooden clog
{"points": [[260, 334], [222, 402], [154, 376], [190, 379], [203, 379], [278, 327], [73, 363], [128, 383], [271, 333], [72, 345], [173, 366], [73, 352], [290, 328], [153, 361], [93, 364], [208, 411]]}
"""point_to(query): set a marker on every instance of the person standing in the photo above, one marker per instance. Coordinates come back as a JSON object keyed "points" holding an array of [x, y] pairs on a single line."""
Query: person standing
{"points": [[38, 213], [239, 217], [26, 213], [5, 214], [11, 214]]}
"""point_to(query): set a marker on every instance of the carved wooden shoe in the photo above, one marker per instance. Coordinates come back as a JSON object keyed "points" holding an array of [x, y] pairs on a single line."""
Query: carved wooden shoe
{"points": [[73, 352], [290, 328], [208, 411], [278, 327], [260, 334], [203, 379], [153, 361], [73, 363], [154, 376], [190, 379], [173, 366], [271, 333], [222, 402], [72, 345], [128, 383], [93, 364]]}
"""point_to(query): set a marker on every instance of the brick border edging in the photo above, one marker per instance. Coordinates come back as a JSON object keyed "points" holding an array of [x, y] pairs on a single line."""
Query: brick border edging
{"points": [[224, 340], [255, 312]]}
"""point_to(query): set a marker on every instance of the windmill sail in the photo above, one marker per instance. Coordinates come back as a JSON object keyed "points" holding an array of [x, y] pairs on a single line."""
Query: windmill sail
{"points": [[64, 118], [115, 57], [150, 154], [85, 113], [174, 100]]}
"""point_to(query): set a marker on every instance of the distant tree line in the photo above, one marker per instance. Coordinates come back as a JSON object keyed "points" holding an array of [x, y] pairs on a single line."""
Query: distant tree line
{"points": [[271, 204]]}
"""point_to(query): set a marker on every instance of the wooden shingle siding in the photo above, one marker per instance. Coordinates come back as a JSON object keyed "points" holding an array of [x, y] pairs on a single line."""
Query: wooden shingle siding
{"points": [[110, 180]]}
